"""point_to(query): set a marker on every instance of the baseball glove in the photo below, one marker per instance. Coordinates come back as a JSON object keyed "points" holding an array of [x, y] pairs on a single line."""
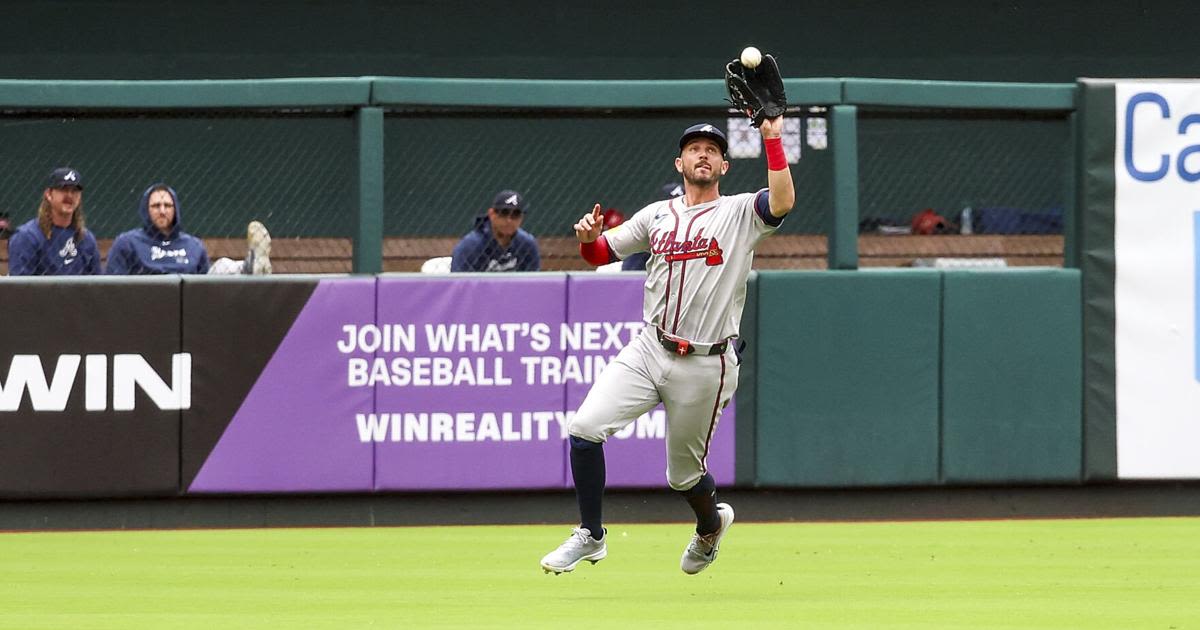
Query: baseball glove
{"points": [[756, 91]]}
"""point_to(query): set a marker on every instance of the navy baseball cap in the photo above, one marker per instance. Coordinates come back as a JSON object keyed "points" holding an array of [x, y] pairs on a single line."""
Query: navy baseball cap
{"points": [[510, 199], [704, 130], [64, 177]]}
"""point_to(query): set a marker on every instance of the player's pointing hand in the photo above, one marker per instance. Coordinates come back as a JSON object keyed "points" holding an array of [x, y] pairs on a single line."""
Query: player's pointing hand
{"points": [[588, 227]]}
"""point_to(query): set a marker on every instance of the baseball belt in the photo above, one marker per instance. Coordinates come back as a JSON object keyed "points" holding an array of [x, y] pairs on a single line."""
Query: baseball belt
{"points": [[683, 347]]}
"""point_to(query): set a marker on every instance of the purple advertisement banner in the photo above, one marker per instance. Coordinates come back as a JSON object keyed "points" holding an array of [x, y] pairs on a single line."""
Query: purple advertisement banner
{"points": [[469, 395], [410, 383], [289, 434]]}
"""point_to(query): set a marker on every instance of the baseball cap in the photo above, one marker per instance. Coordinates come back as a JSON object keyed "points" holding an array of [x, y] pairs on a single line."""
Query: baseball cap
{"points": [[704, 130], [671, 190], [510, 199], [63, 177]]}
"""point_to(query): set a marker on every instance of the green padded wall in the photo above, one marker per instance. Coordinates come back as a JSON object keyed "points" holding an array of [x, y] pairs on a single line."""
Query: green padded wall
{"points": [[1095, 178], [747, 393], [1012, 376], [847, 378]]}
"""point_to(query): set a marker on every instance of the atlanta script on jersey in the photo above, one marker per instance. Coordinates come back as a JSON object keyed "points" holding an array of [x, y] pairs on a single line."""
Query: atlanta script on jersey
{"points": [[699, 259]]}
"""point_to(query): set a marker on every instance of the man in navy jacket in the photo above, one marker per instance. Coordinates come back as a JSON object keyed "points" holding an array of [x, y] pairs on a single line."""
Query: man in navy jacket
{"points": [[56, 243], [497, 242]]}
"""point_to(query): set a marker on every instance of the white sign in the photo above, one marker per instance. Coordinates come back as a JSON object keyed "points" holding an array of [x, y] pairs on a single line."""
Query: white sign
{"points": [[1157, 207]]}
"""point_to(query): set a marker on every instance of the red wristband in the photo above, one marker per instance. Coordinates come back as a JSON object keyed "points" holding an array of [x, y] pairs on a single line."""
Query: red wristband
{"points": [[776, 160], [595, 252]]}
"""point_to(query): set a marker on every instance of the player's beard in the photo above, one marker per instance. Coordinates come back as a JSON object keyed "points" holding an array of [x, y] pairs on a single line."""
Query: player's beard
{"points": [[702, 181]]}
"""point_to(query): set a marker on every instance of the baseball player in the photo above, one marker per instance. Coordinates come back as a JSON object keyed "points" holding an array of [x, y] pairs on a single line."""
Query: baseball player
{"points": [[701, 247]]}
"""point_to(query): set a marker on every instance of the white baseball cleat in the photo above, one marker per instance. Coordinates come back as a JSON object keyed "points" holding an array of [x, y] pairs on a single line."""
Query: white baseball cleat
{"points": [[702, 551], [580, 546], [258, 249]]}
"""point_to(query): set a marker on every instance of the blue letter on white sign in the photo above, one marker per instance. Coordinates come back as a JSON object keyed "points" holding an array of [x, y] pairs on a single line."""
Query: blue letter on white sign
{"points": [[1164, 164]]}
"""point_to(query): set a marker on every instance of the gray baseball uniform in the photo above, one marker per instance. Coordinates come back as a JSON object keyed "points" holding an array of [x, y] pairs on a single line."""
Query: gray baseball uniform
{"points": [[695, 293]]}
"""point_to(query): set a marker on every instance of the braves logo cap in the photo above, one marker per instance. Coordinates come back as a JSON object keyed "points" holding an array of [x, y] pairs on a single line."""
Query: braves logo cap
{"points": [[65, 177], [704, 130], [510, 199]]}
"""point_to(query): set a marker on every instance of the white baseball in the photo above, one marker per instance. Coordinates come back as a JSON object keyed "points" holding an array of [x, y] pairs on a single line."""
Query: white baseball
{"points": [[751, 57]]}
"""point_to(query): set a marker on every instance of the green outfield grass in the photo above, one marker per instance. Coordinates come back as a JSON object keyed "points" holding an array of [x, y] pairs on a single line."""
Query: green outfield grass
{"points": [[1113, 573]]}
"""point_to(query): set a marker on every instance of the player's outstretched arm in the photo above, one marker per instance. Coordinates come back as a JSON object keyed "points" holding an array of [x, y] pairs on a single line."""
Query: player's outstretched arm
{"points": [[782, 191]]}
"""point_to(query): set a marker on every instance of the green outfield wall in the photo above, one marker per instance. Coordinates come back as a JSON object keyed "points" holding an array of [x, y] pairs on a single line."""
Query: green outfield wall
{"points": [[918, 377], [847, 385], [886, 378], [1011, 376]]}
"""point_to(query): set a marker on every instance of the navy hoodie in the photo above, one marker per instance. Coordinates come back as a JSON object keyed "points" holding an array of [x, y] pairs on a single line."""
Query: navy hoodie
{"points": [[147, 251], [479, 251]]}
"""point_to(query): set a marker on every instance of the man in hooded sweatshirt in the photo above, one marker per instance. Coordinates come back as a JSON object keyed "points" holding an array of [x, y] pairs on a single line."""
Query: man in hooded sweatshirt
{"points": [[161, 246], [497, 242]]}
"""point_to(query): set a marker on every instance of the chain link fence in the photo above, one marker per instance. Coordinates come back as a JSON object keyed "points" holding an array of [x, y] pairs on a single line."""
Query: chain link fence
{"points": [[443, 168], [294, 171], [984, 173], [989, 186], [972, 180]]}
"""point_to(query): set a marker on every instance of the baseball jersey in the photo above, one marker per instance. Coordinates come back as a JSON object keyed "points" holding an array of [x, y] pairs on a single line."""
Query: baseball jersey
{"points": [[699, 259]]}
